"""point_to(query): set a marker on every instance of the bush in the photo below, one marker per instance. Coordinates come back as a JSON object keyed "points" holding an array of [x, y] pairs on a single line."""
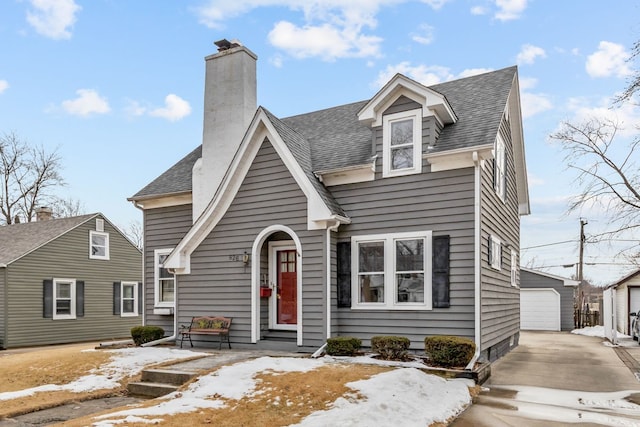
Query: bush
{"points": [[144, 334], [449, 351], [343, 346], [391, 347]]}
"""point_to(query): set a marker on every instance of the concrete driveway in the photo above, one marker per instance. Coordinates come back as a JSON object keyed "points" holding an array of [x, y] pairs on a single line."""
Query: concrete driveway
{"points": [[559, 379]]}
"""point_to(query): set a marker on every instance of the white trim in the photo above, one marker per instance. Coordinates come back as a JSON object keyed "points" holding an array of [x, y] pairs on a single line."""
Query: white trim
{"points": [[388, 120], [318, 213], [72, 286], [514, 268], [255, 279], [458, 159], [274, 247], [106, 245], [163, 201], [432, 102], [500, 168], [350, 175], [477, 286], [390, 271], [156, 281], [135, 299]]}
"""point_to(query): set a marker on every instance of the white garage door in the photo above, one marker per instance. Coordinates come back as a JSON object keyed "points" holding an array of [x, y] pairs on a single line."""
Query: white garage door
{"points": [[540, 309]]}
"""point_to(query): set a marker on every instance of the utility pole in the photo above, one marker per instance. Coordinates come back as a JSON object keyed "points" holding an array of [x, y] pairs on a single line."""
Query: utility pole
{"points": [[581, 260]]}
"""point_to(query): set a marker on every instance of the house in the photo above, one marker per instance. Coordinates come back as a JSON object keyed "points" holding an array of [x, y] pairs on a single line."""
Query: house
{"points": [[67, 280], [626, 293], [546, 301], [396, 215]]}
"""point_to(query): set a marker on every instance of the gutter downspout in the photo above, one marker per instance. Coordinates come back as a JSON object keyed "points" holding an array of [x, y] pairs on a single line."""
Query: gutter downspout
{"points": [[144, 289], [331, 228], [477, 255]]}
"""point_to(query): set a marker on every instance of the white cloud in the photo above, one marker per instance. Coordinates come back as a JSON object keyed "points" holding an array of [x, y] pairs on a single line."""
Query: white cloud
{"points": [[134, 108], [4, 85], [435, 4], [510, 9], [175, 108], [87, 103], [427, 75], [478, 10], [331, 29], [276, 61], [609, 60], [627, 116], [326, 41], [532, 104], [53, 18], [534, 181], [473, 72], [529, 53], [424, 36]]}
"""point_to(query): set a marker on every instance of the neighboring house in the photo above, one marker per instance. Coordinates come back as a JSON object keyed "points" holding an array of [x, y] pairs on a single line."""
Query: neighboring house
{"points": [[546, 301], [67, 280], [627, 300], [396, 215]]}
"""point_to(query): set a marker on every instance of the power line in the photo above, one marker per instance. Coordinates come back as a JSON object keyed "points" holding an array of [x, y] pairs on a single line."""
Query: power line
{"points": [[548, 244]]}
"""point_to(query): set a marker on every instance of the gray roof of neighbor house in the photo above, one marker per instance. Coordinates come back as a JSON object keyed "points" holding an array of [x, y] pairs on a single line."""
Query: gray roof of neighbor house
{"points": [[17, 240], [337, 139]]}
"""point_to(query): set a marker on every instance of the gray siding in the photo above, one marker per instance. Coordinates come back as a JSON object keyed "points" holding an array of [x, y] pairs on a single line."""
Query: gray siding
{"points": [[442, 202], [68, 257], [3, 308], [500, 313], [533, 280], [163, 229], [219, 285]]}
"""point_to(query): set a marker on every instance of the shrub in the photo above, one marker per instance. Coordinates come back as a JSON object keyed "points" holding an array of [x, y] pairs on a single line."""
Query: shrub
{"points": [[144, 334], [391, 347], [343, 346], [449, 351]]}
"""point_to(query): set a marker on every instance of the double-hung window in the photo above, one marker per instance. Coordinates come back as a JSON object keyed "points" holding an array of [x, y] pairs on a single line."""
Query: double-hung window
{"points": [[98, 245], [514, 268], [392, 271], [164, 280], [129, 299], [64, 298], [402, 143]]}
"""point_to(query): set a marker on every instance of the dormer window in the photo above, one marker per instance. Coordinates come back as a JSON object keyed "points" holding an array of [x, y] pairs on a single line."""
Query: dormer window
{"points": [[401, 143]]}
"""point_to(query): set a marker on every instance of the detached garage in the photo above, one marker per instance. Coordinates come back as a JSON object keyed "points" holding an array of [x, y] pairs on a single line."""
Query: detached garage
{"points": [[627, 296], [546, 301]]}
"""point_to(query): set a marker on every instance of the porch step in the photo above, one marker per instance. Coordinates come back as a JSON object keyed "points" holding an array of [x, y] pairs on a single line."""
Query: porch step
{"points": [[158, 382], [150, 390]]}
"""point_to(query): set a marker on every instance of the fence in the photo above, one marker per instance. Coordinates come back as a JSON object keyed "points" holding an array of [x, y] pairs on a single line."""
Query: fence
{"points": [[582, 318]]}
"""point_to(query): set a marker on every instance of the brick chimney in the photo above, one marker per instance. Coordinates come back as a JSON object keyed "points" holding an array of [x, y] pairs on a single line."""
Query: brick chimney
{"points": [[230, 102], [44, 213]]}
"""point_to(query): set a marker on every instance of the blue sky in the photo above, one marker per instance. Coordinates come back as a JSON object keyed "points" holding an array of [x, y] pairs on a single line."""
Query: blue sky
{"points": [[117, 85]]}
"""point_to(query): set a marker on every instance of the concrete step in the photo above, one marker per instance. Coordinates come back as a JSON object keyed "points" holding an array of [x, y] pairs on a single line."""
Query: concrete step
{"points": [[150, 390], [166, 376]]}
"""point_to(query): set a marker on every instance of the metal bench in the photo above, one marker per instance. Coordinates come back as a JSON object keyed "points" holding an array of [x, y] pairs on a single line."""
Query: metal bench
{"points": [[207, 325]]}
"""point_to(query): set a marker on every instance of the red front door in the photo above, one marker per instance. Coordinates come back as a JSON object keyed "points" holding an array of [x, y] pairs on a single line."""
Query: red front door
{"points": [[287, 288]]}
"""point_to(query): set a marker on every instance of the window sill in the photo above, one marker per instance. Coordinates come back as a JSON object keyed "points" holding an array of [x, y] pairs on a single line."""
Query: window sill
{"points": [[129, 315], [163, 311], [382, 307]]}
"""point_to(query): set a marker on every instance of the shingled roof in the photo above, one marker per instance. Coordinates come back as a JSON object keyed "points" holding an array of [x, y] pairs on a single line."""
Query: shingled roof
{"points": [[336, 138], [18, 240]]}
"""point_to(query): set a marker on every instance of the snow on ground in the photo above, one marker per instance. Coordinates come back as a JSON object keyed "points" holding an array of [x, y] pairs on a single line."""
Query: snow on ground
{"points": [[591, 331], [406, 394], [124, 362]]}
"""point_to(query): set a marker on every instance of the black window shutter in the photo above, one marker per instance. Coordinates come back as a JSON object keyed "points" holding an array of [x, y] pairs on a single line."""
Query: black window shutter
{"points": [[140, 298], [116, 297], [440, 273], [489, 249], [344, 273], [47, 299], [79, 298]]}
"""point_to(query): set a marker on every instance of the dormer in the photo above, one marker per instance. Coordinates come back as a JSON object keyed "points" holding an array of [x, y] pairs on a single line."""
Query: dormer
{"points": [[402, 128]]}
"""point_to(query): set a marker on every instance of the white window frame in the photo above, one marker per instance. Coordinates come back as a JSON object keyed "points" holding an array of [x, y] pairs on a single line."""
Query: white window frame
{"points": [[496, 253], [106, 245], [500, 168], [135, 299], [72, 285], [156, 279], [514, 268], [387, 122], [390, 291]]}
